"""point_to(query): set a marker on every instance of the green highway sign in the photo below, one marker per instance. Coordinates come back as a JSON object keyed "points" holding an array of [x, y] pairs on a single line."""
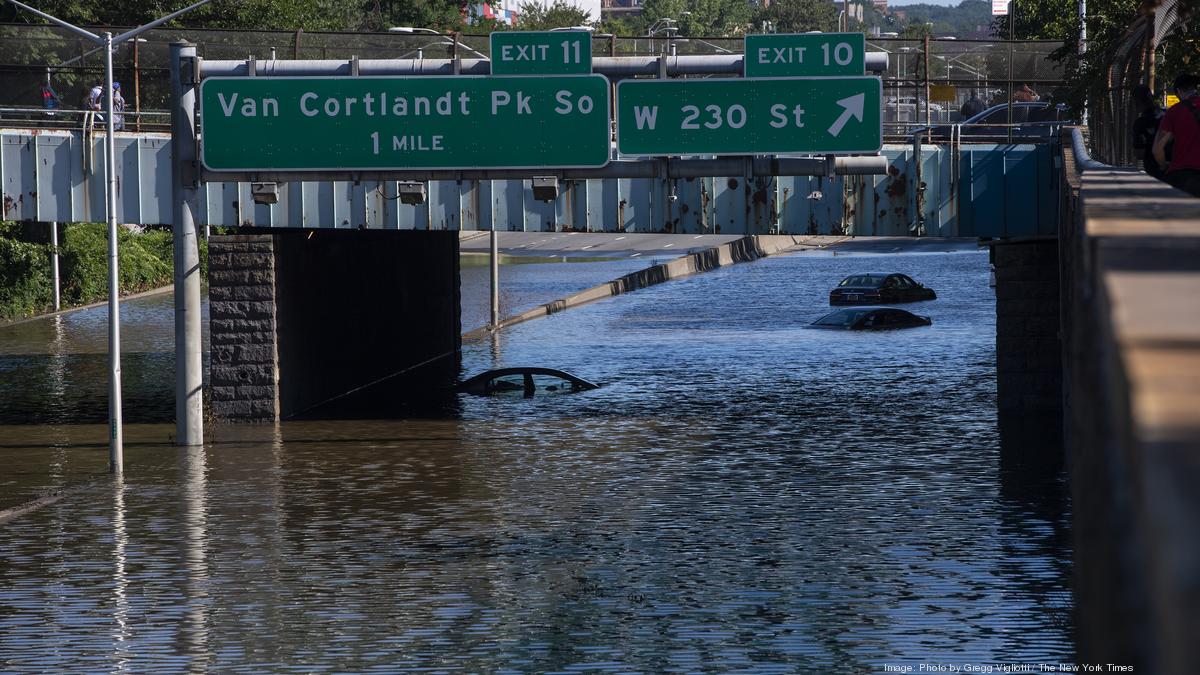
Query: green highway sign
{"points": [[424, 122], [567, 52], [804, 55], [749, 116]]}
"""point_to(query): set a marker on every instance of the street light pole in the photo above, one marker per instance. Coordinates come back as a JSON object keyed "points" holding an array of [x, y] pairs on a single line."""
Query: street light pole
{"points": [[116, 461], [116, 428]]}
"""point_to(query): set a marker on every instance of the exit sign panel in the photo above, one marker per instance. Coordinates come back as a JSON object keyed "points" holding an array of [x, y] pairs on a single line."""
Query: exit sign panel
{"points": [[541, 52], [380, 123], [749, 116], [804, 55]]}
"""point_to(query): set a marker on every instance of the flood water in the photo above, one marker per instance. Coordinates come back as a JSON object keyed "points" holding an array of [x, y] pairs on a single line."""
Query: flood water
{"points": [[743, 494]]}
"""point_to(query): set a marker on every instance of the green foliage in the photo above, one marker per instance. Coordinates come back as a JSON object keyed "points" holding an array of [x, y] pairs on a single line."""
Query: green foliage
{"points": [[701, 18], [798, 16], [560, 14], [629, 26], [146, 262], [440, 15], [917, 31], [962, 21], [85, 261], [25, 285]]}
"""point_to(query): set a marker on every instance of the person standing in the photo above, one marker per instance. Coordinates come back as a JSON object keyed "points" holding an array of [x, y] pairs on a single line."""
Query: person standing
{"points": [[118, 107], [1145, 128], [1026, 95], [971, 107], [92, 100], [1181, 126]]}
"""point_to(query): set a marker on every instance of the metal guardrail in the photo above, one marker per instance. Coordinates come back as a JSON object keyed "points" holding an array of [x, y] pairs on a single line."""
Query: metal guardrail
{"points": [[1083, 159], [71, 118]]}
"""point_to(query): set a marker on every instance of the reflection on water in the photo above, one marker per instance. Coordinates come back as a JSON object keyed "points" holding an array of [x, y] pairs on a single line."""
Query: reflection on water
{"points": [[742, 494]]}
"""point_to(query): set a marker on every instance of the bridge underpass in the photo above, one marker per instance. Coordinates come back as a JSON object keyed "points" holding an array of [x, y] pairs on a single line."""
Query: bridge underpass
{"points": [[1131, 384]]}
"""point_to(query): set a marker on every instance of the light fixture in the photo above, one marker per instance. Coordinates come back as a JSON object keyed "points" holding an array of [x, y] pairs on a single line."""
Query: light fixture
{"points": [[411, 191], [545, 188], [265, 193]]}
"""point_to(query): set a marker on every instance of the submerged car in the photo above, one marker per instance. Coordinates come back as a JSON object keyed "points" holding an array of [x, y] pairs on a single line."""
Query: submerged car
{"points": [[879, 289], [871, 318], [526, 382]]}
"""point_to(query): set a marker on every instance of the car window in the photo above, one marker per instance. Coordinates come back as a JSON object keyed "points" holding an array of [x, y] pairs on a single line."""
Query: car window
{"points": [[903, 281], [891, 282], [514, 383], [873, 319], [861, 280], [1047, 114], [1000, 115], [842, 317], [908, 281], [550, 384]]}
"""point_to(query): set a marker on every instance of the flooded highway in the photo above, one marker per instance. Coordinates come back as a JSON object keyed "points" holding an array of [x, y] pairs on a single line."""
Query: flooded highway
{"points": [[742, 494]]}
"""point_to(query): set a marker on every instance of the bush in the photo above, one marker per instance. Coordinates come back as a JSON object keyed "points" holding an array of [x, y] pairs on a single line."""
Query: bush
{"points": [[145, 258], [25, 283]]}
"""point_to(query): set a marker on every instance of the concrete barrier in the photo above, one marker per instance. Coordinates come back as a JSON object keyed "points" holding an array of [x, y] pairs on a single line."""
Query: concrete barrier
{"points": [[740, 250], [1130, 249]]}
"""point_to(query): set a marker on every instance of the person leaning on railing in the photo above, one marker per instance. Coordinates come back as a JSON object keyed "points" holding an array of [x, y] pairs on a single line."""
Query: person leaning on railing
{"points": [[1181, 125]]}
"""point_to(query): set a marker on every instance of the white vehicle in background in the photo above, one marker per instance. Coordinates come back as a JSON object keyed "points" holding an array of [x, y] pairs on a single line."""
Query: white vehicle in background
{"points": [[911, 109]]}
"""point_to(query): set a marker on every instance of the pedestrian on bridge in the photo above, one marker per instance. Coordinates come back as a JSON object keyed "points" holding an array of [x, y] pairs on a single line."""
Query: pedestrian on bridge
{"points": [[1145, 128], [1181, 126]]}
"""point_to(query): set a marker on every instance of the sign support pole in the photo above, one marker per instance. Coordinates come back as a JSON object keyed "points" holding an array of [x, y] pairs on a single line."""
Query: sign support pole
{"points": [[189, 377], [116, 460], [494, 261]]}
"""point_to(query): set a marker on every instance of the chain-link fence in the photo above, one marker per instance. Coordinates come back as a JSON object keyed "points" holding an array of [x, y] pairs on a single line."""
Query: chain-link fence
{"points": [[1129, 63], [46, 72]]}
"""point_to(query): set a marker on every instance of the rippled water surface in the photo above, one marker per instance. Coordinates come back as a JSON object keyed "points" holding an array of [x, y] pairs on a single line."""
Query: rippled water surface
{"points": [[743, 494]]}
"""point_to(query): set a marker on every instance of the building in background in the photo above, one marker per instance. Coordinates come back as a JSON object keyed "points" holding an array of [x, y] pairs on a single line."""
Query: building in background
{"points": [[495, 11], [616, 9]]}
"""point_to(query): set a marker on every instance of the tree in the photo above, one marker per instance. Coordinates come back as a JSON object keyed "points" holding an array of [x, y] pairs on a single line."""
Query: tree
{"points": [[1107, 22], [379, 15], [917, 31], [701, 18], [798, 16], [561, 14]]}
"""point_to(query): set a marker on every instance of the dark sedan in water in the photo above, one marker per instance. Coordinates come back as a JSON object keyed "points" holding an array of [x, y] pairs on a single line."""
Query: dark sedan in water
{"points": [[879, 289], [871, 318], [526, 382]]}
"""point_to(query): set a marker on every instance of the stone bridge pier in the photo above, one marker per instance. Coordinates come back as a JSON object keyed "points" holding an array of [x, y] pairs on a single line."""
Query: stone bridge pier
{"points": [[326, 323]]}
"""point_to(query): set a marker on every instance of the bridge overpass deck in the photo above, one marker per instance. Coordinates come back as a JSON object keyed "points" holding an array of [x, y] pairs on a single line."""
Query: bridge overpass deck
{"points": [[970, 190]]}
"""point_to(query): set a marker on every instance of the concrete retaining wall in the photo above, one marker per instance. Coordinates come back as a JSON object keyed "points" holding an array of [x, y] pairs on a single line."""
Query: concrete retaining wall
{"points": [[1131, 303], [739, 250]]}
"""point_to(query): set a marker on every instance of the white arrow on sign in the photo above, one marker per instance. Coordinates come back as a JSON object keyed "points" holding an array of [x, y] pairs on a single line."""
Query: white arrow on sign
{"points": [[853, 107]]}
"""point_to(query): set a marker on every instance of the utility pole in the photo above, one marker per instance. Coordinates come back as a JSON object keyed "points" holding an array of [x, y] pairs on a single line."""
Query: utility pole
{"points": [[116, 460]]}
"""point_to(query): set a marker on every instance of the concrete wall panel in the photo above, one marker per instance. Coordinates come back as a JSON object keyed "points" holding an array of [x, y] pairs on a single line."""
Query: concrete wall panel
{"points": [[986, 190]]}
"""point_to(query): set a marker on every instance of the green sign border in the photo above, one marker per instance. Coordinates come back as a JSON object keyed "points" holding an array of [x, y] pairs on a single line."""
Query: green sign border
{"points": [[602, 106], [875, 148], [857, 65], [560, 67]]}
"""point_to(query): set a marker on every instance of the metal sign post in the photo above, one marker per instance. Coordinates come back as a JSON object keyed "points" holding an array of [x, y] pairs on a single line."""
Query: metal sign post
{"points": [[189, 375]]}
